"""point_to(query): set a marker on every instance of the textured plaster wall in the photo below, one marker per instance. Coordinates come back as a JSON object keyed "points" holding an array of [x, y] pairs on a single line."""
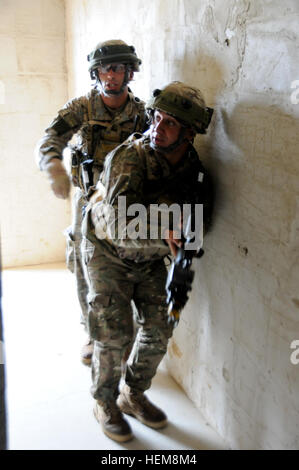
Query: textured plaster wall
{"points": [[231, 351], [33, 86]]}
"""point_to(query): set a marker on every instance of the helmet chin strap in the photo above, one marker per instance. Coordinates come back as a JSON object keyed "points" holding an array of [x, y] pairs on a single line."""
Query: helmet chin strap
{"points": [[181, 139]]}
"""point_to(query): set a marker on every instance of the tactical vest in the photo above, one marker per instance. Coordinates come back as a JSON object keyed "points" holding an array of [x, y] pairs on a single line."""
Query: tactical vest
{"points": [[161, 183], [187, 183], [190, 183], [96, 137]]}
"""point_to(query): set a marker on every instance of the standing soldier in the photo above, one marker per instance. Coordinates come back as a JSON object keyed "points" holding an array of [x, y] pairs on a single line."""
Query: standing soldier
{"points": [[95, 124], [159, 167]]}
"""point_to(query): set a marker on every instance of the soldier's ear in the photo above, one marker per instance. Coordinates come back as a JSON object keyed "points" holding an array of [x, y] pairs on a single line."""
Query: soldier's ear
{"points": [[131, 75]]}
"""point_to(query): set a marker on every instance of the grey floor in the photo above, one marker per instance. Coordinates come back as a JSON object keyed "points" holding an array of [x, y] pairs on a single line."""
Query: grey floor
{"points": [[48, 399]]}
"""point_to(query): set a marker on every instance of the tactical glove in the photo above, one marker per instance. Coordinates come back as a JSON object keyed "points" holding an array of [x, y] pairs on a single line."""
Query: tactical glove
{"points": [[58, 177]]}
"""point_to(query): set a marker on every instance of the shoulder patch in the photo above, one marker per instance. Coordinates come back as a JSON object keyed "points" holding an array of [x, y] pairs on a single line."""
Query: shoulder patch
{"points": [[61, 126]]}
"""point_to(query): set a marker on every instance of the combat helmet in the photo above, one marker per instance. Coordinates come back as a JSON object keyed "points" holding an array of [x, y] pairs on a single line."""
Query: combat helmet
{"points": [[111, 51], [183, 102]]}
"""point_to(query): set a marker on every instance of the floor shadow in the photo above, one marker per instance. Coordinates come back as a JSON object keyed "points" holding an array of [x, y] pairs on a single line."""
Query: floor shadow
{"points": [[180, 440]]}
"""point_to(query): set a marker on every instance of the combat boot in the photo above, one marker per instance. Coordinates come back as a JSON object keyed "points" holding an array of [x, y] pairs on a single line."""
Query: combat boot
{"points": [[138, 405], [86, 352], [112, 421]]}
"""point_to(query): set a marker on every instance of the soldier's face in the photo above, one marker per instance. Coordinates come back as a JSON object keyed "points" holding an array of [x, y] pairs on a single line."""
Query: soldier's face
{"points": [[112, 78], [165, 129]]}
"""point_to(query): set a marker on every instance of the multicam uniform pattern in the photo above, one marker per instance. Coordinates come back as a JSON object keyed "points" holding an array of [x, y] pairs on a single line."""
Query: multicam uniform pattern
{"points": [[121, 269], [95, 131]]}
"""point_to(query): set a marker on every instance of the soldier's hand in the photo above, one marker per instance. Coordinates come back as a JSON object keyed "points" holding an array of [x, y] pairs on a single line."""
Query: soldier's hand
{"points": [[59, 179], [61, 186]]}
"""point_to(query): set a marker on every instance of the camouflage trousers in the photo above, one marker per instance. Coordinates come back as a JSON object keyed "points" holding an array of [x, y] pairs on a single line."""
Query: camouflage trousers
{"points": [[74, 259], [113, 283]]}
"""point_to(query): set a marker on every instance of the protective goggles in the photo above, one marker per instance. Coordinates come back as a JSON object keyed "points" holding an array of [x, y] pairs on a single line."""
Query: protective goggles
{"points": [[117, 68]]}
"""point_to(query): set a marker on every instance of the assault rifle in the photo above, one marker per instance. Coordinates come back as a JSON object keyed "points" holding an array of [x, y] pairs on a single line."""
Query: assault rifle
{"points": [[82, 174], [180, 276]]}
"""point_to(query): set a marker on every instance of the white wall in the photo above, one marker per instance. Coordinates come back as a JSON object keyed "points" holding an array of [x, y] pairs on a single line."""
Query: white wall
{"points": [[34, 86], [231, 351]]}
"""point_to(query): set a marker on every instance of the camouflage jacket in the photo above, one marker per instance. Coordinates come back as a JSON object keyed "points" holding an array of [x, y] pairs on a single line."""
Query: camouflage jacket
{"points": [[96, 131], [142, 178]]}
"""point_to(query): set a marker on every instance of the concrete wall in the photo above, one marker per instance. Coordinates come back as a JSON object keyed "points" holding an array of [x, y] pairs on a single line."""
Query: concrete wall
{"points": [[231, 351], [33, 86]]}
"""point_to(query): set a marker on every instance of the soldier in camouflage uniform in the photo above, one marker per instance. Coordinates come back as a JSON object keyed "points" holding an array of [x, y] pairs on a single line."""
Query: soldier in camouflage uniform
{"points": [[96, 123], [160, 166]]}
